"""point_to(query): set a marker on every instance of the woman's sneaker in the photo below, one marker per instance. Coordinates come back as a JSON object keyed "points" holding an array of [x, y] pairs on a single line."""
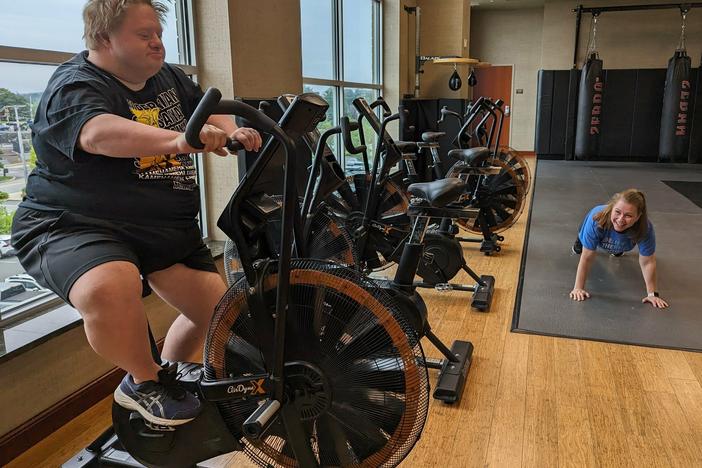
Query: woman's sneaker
{"points": [[164, 403]]}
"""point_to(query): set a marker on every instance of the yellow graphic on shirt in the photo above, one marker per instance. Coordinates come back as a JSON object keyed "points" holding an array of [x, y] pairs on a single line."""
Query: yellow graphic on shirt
{"points": [[146, 116], [149, 163], [164, 112]]}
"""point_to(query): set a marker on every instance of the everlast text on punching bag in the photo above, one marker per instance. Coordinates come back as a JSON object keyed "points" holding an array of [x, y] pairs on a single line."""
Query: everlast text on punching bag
{"points": [[675, 117], [587, 130]]}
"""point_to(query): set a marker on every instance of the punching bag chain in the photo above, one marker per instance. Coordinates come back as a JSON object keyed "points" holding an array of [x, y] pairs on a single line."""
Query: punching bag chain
{"points": [[683, 14], [592, 43]]}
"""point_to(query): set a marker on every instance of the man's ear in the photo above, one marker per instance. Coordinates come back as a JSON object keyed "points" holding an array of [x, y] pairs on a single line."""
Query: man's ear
{"points": [[104, 41]]}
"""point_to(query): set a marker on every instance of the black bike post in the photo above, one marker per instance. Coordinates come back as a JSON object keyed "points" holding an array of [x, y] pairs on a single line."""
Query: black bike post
{"points": [[229, 107], [499, 126], [315, 172], [475, 110]]}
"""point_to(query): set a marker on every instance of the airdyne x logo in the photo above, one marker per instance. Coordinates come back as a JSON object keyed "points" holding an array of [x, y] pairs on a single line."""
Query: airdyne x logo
{"points": [[254, 387]]}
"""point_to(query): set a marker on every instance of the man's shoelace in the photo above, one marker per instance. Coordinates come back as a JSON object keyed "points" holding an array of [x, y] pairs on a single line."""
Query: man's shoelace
{"points": [[168, 378]]}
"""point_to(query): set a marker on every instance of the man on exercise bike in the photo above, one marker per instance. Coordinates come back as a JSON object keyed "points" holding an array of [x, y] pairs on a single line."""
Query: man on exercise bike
{"points": [[114, 199]]}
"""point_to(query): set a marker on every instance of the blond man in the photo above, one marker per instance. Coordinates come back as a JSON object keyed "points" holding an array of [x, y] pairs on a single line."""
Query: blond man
{"points": [[113, 201]]}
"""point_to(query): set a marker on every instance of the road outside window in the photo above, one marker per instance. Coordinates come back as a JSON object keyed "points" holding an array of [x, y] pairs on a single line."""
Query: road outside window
{"points": [[21, 87]]}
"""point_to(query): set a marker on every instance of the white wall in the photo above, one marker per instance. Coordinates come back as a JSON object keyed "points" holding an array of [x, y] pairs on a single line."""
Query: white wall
{"points": [[631, 39], [513, 37], [544, 38]]}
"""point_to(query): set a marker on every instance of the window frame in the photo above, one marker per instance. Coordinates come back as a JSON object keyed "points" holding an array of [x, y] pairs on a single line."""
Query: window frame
{"points": [[338, 66], [31, 56]]}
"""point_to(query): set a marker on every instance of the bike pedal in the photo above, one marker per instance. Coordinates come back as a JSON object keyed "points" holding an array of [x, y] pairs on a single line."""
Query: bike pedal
{"points": [[158, 427]]}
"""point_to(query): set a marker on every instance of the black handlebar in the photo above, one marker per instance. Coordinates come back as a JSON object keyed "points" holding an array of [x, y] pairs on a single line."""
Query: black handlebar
{"points": [[445, 111], [346, 128], [212, 103], [204, 109], [387, 112]]}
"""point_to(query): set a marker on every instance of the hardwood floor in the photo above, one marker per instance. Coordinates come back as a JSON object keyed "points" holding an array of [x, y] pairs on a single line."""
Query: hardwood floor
{"points": [[530, 401]]}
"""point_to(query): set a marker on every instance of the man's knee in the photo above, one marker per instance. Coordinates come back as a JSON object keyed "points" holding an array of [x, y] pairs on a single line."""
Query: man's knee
{"points": [[108, 285], [195, 293]]}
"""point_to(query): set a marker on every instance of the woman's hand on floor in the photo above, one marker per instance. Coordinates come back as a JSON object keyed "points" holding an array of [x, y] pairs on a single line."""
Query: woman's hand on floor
{"points": [[578, 294], [656, 302]]}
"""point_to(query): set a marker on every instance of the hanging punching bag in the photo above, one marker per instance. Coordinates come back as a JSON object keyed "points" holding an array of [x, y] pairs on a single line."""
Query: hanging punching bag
{"points": [[675, 117], [455, 81], [587, 129], [472, 80]]}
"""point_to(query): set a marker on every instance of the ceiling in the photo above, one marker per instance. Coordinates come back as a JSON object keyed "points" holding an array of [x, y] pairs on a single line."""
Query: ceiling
{"points": [[505, 4]]}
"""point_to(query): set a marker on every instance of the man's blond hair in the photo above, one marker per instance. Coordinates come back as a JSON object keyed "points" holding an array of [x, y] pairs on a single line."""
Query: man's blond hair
{"points": [[101, 17]]}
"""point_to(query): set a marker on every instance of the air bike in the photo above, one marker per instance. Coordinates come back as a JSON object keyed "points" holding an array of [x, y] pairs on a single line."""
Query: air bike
{"points": [[497, 178], [307, 362], [381, 215], [500, 197]]}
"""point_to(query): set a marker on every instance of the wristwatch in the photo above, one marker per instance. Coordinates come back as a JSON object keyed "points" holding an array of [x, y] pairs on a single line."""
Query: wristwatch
{"points": [[654, 294]]}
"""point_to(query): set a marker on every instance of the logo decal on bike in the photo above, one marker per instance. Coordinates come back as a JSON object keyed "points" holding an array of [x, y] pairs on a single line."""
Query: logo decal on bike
{"points": [[253, 387]]}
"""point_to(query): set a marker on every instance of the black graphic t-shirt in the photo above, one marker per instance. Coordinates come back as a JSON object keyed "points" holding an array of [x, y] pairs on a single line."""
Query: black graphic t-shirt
{"points": [[157, 190]]}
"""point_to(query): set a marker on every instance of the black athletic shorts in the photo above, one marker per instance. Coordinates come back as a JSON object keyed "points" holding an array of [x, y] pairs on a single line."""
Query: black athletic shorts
{"points": [[57, 247]]}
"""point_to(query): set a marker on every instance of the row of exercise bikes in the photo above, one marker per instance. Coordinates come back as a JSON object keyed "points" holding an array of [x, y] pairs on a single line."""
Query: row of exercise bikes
{"points": [[311, 358]]}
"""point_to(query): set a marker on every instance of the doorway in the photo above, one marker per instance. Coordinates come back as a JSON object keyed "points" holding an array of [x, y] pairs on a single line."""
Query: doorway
{"points": [[495, 82]]}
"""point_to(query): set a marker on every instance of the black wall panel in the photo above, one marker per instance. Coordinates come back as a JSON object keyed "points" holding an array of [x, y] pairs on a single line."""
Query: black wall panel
{"points": [[424, 115], [544, 109], [617, 114], [409, 131], [645, 131], [559, 112], [572, 113], [695, 153], [631, 114]]}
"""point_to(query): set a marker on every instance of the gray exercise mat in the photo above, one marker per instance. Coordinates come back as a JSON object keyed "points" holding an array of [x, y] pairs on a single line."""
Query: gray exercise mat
{"points": [[564, 191]]}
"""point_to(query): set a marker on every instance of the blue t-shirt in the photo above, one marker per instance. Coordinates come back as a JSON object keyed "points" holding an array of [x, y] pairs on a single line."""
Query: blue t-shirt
{"points": [[591, 235]]}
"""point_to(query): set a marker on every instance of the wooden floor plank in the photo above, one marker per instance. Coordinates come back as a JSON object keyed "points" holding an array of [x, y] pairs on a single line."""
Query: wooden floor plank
{"points": [[607, 428], [681, 445], [694, 360], [689, 393], [596, 368], [569, 378], [506, 435], [540, 447], [651, 371], [575, 444], [675, 365], [69, 439]]}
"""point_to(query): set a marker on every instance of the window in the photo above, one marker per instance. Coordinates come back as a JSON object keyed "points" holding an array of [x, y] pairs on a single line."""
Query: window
{"points": [[318, 21], [35, 37], [341, 60]]}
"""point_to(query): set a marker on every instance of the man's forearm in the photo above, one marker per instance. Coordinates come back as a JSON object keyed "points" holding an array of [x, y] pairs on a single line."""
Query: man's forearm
{"points": [[111, 135], [223, 122]]}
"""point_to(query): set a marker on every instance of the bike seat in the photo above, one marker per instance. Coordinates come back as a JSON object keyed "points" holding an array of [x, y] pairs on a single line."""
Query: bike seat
{"points": [[406, 146], [440, 192], [432, 137], [470, 155]]}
